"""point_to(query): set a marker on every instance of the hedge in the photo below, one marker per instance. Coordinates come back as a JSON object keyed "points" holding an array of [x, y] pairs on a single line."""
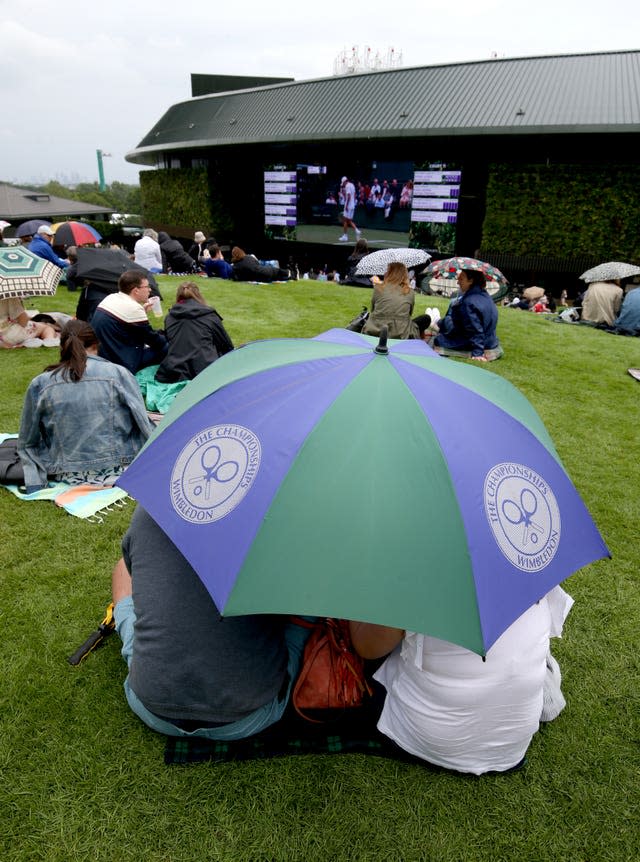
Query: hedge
{"points": [[564, 210]]}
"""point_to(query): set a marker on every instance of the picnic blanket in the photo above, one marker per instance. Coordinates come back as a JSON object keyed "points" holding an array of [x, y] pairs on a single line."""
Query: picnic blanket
{"points": [[89, 502], [350, 731]]}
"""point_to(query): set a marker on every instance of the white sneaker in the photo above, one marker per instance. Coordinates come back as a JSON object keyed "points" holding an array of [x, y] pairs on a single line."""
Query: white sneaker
{"points": [[344, 238], [358, 232]]}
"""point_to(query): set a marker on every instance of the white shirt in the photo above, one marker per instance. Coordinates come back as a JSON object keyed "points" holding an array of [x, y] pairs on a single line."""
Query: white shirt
{"points": [[451, 708], [146, 252]]}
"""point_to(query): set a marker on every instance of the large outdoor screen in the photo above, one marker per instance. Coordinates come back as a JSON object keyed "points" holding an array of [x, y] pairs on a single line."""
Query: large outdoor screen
{"points": [[395, 203]]}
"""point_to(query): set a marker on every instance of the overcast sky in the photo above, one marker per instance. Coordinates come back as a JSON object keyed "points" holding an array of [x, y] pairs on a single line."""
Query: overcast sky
{"points": [[76, 77]]}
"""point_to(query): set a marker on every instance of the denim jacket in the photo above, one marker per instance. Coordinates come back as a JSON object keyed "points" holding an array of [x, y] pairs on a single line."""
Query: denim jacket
{"points": [[99, 422]]}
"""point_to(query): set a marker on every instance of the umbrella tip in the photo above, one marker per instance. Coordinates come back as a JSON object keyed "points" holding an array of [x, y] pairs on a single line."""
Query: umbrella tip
{"points": [[381, 346]]}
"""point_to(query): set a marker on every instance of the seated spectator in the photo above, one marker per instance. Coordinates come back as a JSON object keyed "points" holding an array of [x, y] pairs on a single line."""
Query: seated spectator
{"points": [[16, 327], [195, 334], [174, 257], [469, 326], [201, 245], [446, 705], [147, 252], [628, 321], [120, 322], [247, 267], [392, 303], [215, 265], [191, 673], [83, 418], [360, 250], [71, 273], [601, 302], [41, 245]]}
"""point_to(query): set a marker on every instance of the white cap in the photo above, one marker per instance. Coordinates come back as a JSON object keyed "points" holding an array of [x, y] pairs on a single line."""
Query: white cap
{"points": [[343, 180], [46, 230]]}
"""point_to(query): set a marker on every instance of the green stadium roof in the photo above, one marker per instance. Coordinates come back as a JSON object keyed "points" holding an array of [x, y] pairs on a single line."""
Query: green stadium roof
{"points": [[574, 93]]}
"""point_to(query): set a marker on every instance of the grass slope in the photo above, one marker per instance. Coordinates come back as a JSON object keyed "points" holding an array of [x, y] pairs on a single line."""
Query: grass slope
{"points": [[82, 778]]}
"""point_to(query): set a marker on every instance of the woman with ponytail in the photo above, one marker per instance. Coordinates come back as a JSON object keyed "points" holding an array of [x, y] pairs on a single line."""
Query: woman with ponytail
{"points": [[83, 419]]}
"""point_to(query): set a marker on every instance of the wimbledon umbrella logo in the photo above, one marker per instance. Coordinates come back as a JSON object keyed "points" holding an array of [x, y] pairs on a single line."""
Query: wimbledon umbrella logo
{"points": [[213, 472], [523, 514]]}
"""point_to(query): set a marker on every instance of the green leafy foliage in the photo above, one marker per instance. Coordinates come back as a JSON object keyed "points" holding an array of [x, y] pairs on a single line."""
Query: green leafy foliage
{"points": [[182, 198], [120, 197], [564, 210]]}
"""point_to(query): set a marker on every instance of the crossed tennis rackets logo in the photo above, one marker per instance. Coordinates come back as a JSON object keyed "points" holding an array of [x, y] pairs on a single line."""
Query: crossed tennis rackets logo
{"points": [[213, 472], [523, 515]]}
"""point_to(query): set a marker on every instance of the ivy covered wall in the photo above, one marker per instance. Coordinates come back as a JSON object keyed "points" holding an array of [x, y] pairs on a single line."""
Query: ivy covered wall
{"points": [[184, 199], [564, 210]]}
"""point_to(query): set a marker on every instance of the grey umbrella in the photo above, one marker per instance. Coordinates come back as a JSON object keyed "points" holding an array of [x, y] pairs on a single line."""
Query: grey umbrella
{"points": [[30, 228], [377, 262], [610, 271]]}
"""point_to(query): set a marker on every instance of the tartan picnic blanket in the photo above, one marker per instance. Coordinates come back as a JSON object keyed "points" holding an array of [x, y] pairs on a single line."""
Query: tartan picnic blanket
{"points": [[351, 731]]}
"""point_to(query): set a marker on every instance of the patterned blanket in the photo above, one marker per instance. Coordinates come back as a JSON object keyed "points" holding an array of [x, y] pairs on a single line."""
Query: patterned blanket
{"points": [[350, 731], [89, 502]]}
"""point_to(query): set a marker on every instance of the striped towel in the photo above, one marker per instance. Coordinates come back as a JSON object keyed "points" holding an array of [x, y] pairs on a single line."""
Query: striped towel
{"points": [[84, 501]]}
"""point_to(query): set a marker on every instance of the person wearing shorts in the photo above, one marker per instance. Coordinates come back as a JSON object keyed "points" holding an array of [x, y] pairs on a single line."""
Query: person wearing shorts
{"points": [[349, 194]]}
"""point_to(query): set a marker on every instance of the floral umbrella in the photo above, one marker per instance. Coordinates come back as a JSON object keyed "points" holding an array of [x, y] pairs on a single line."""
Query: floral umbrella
{"points": [[450, 268]]}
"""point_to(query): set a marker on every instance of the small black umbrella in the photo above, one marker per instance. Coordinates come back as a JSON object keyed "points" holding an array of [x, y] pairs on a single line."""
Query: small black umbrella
{"points": [[104, 266], [30, 228]]}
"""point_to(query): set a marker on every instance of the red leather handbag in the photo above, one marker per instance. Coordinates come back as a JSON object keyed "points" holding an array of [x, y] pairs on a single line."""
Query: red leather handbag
{"points": [[332, 673]]}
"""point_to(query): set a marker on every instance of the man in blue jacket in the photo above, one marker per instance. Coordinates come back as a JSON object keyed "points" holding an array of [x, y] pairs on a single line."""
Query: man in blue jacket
{"points": [[41, 245], [469, 326]]}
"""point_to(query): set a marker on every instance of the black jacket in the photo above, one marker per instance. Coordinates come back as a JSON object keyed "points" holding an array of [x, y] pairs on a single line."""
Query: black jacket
{"points": [[174, 257], [250, 269], [351, 278], [196, 339], [198, 248]]}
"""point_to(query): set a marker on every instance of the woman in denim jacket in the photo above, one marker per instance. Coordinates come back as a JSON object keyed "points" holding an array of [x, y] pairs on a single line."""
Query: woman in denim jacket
{"points": [[83, 419]]}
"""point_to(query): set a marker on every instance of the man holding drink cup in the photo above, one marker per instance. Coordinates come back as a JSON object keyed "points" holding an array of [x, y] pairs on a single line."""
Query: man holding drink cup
{"points": [[120, 321]]}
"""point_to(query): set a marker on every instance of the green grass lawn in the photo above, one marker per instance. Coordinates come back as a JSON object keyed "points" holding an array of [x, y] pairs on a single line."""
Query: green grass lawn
{"points": [[83, 779]]}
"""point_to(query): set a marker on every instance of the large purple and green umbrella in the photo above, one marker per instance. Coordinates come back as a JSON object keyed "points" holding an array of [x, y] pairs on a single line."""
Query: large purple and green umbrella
{"points": [[325, 476]]}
